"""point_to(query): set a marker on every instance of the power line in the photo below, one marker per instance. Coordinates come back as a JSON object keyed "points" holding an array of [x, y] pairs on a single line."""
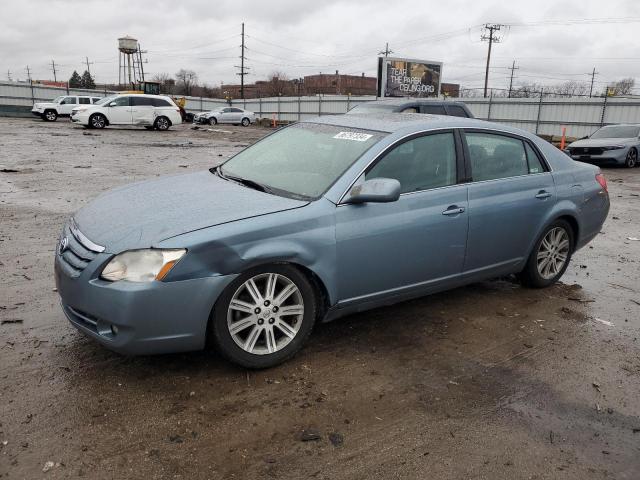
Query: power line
{"points": [[492, 28]]}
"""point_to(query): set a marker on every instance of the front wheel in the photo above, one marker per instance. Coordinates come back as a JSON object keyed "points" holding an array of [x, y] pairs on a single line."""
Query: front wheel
{"points": [[97, 120], [213, 121], [50, 116], [264, 316], [632, 158], [550, 257], [245, 122], [162, 123]]}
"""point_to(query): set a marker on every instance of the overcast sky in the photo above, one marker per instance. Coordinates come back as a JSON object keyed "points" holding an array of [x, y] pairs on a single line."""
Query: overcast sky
{"points": [[549, 39]]}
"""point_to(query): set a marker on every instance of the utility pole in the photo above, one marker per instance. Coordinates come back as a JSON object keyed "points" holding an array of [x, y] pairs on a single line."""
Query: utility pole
{"points": [[9, 76], [242, 68], [53, 67], [28, 73], [88, 63], [386, 50], [513, 68], [593, 77], [492, 28]]}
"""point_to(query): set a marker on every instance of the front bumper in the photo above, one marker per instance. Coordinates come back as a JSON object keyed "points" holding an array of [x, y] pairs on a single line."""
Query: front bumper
{"points": [[138, 318], [200, 120], [37, 113], [608, 157]]}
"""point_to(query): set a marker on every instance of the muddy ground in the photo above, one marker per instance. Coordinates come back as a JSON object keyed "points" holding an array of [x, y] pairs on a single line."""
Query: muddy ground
{"points": [[491, 381]]}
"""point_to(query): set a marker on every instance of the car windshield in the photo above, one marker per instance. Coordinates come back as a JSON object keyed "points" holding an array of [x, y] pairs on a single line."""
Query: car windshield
{"points": [[617, 131], [106, 100], [370, 107], [302, 160]]}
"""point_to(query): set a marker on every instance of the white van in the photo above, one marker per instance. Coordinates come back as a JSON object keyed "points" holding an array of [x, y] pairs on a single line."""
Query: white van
{"points": [[150, 111], [61, 106]]}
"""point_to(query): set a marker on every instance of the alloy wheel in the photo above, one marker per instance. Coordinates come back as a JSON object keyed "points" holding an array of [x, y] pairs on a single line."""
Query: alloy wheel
{"points": [[51, 116], [162, 123], [265, 313], [632, 158], [97, 121], [553, 253]]}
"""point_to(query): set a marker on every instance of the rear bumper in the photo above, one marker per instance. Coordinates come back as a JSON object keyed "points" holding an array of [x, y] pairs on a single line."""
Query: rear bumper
{"points": [[138, 318]]}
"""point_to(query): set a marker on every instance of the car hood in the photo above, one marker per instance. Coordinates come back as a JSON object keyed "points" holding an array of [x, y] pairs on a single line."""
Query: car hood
{"points": [[141, 215], [601, 142], [45, 105]]}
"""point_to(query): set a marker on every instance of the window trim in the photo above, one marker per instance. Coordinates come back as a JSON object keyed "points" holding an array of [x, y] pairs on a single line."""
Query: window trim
{"points": [[487, 131]]}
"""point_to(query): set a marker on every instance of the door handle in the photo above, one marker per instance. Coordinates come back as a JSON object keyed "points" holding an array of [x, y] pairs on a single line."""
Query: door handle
{"points": [[453, 210], [542, 194]]}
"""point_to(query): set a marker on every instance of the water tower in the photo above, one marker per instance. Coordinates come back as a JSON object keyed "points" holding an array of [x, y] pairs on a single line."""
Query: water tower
{"points": [[130, 71]]}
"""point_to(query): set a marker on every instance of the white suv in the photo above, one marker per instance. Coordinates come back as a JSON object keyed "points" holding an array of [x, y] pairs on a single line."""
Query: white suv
{"points": [[149, 111], [61, 106]]}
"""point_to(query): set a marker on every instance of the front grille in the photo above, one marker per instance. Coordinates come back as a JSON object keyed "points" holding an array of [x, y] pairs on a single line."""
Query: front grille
{"points": [[587, 151], [77, 251]]}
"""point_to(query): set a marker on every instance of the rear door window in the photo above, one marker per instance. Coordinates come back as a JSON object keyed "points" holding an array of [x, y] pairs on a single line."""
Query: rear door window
{"points": [[84, 100], [457, 111], [142, 102], [433, 109], [495, 156]]}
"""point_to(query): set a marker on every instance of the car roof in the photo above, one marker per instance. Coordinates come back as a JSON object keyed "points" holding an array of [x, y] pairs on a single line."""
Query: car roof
{"points": [[392, 122], [409, 100], [143, 95]]}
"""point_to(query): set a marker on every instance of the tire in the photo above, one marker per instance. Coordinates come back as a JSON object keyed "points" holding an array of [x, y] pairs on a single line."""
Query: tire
{"points": [[162, 124], [97, 120], [557, 241], [245, 122], [263, 335], [632, 158], [50, 116], [213, 121]]}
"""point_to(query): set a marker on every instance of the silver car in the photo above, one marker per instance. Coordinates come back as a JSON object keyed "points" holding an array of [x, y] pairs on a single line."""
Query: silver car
{"points": [[611, 145], [233, 115]]}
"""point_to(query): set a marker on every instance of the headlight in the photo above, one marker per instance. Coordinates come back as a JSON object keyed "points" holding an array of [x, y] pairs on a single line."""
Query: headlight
{"points": [[141, 265], [613, 147]]}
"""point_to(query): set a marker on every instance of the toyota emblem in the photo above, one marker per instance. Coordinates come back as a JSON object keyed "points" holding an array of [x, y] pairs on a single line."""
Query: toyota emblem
{"points": [[63, 245]]}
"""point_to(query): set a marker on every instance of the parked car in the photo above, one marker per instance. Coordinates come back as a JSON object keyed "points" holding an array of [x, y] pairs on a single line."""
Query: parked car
{"points": [[61, 106], [149, 111], [414, 105], [609, 145], [234, 115], [318, 220]]}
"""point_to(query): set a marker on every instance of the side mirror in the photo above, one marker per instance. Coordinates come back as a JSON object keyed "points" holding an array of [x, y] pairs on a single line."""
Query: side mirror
{"points": [[112, 104], [376, 190]]}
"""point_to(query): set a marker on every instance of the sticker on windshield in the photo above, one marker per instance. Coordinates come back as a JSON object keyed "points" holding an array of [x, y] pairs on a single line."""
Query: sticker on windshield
{"points": [[355, 136]]}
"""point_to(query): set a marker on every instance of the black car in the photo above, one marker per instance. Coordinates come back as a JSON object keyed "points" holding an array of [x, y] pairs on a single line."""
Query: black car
{"points": [[414, 105]]}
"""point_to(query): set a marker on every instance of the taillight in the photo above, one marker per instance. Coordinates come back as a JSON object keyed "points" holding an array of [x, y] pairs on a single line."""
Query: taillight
{"points": [[602, 181]]}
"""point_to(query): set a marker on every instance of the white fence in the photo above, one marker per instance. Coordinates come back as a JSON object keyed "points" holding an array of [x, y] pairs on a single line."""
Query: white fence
{"points": [[547, 116]]}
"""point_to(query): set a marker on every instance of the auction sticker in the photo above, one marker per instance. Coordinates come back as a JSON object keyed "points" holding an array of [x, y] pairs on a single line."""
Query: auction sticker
{"points": [[355, 136]]}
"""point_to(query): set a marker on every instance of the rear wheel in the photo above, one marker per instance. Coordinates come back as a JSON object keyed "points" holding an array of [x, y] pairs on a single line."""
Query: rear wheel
{"points": [[50, 116], [632, 158], [550, 257], [97, 120], [245, 122], [213, 121], [162, 123], [264, 316]]}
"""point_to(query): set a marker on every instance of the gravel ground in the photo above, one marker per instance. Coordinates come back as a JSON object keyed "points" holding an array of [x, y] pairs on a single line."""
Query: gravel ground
{"points": [[491, 381]]}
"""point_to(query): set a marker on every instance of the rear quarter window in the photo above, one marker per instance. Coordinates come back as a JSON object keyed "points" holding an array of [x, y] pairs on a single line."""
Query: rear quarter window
{"points": [[161, 102]]}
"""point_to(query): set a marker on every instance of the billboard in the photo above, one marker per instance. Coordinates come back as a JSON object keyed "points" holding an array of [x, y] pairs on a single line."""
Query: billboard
{"points": [[403, 77]]}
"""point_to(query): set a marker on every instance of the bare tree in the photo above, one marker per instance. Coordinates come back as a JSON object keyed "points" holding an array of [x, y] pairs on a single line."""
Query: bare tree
{"points": [[167, 83], [621, 87], [277, 84], [185, 81], [570, 88]]}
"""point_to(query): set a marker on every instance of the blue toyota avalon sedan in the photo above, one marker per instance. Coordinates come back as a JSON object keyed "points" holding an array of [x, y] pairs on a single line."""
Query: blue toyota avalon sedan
{"points": [[323, 218]]}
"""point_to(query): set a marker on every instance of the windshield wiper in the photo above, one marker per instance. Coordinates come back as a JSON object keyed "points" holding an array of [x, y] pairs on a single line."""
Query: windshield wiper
{"points": [[249, 183]]}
